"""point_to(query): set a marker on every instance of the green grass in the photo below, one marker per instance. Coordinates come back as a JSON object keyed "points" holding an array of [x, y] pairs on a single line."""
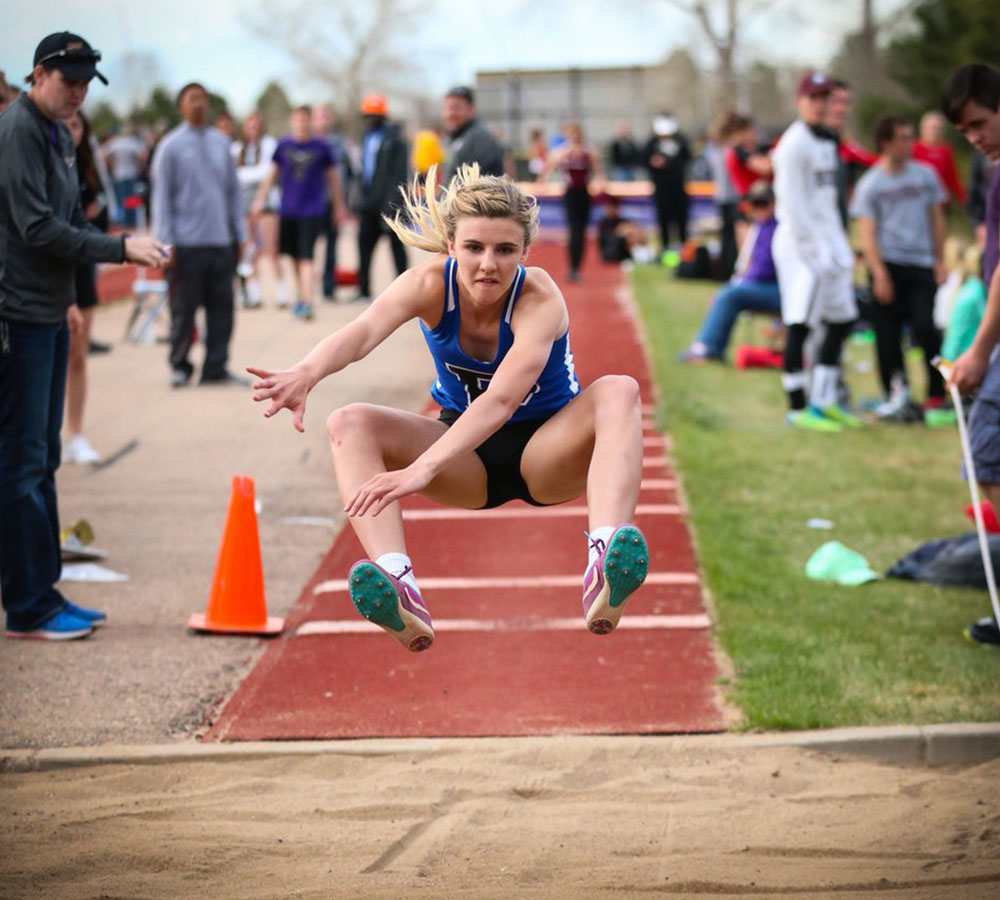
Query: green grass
{"points": [[807, 654]]}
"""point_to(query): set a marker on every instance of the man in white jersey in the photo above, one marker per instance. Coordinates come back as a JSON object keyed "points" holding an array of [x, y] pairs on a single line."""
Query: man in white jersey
{"points": [[813, 259]]}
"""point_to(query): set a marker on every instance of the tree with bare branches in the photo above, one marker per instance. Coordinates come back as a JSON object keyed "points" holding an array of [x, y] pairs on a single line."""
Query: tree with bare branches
{"points": [[350, 48], [723, 25]]}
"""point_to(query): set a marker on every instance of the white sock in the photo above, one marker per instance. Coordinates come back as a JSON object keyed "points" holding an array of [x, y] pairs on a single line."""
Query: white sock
{"points": [[397, 563], [602, 534], [824, 386]]}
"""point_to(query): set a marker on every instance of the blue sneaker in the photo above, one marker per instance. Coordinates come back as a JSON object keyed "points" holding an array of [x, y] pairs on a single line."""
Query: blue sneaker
{"points": [[303, 310], [92, 616], [63, 626]]}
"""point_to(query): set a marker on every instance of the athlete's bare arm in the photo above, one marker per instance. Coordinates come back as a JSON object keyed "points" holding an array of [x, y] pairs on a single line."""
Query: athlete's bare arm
{"points": [[540, 318], [336, 196], [881, 283], [418, 292], [260, 199]]}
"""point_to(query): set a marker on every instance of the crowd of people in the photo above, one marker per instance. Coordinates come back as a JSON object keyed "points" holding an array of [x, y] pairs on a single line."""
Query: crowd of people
{"points": [[236, 214]]}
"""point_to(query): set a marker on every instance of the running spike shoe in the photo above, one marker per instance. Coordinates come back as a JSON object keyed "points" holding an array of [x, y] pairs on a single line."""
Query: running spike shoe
{"points": [[840, 415], [391, 604], [983, 633], [812, 421], [617, 572]]}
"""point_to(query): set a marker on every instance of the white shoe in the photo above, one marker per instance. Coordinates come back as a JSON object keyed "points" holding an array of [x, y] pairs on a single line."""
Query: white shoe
{"points": [[78, 450]]}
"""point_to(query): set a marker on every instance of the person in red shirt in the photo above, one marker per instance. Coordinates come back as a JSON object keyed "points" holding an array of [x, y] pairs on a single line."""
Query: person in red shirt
{"points": [[746, 160], [937, 153]]}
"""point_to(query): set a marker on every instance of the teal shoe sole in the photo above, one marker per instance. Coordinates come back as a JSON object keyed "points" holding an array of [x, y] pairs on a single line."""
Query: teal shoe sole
{"points": [[374, 596], [625, 564]]}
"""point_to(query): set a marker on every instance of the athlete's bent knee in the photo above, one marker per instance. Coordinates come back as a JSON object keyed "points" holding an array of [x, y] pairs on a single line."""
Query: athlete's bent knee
{"points": [[348, 420], [620, 390]]}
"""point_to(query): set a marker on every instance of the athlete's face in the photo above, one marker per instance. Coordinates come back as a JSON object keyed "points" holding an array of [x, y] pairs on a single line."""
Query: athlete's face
{"points": [[253, 128], [488, 253], [322, 120], [981, 126], [194, 106], [932, 128], [55, 95], [900, 148], [298, 124], [838, 108], [812, 110], [455, 112]]}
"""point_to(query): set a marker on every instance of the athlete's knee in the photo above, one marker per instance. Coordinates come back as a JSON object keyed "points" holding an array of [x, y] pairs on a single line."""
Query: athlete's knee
{"points": [[620, 391], [349, 421]]}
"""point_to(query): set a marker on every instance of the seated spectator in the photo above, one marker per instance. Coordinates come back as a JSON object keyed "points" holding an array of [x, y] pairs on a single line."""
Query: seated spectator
{"points": [[620, 239], [754, 286], [969, 307]]}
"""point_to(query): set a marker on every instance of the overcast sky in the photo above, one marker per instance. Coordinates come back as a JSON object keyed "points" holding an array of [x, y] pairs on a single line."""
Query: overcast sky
{"points": [[208, 41]]}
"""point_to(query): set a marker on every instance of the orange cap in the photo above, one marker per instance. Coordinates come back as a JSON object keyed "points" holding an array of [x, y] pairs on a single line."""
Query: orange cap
{"points": [[374, 105]]}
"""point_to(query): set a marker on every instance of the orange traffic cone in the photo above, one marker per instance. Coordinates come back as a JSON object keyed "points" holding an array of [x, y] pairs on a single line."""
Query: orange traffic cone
{"points": [[236, 604]]}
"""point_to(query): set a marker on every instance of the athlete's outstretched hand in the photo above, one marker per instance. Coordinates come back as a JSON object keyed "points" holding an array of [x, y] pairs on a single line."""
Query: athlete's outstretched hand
{"points": [[285, 390], [387, 487]]}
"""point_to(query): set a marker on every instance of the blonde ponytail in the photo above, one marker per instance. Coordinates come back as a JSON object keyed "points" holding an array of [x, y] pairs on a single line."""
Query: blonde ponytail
{"points": [[428, 222]]}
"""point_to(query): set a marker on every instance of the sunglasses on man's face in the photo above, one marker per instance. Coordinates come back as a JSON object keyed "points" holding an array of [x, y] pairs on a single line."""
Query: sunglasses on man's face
{"points": [[73, 53]]}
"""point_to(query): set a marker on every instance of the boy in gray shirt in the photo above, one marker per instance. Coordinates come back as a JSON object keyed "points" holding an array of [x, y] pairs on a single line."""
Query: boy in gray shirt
{"points": [[898, 205]]}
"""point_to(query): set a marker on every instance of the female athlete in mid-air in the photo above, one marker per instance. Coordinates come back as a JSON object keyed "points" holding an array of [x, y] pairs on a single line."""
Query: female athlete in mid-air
{"points": [[514, 422]]}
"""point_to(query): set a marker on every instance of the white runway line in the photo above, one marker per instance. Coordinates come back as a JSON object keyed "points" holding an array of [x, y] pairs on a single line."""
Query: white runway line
{"points": [[534, 512], [657, 484], [655, 462], [529, 582], [629, 623]]}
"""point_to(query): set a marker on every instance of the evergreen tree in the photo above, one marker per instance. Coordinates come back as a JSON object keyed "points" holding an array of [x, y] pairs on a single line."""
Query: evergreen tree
{"points": [[947, 34]]}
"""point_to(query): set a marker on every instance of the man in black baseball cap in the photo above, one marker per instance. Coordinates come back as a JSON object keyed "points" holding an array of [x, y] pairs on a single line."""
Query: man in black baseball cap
{"points": [[45, 236], [70, 54]]}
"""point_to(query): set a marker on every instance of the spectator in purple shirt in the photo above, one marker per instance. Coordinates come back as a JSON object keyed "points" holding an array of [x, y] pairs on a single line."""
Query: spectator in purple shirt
{"points": [[306, 167], [753, 288]]}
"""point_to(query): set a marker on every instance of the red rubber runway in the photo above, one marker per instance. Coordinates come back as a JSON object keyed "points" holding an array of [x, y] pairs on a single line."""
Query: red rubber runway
{"points": [[512, 655]]}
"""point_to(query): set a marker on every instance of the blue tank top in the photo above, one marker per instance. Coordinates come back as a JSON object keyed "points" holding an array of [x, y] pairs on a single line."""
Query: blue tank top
{"points": [[460, 378]]}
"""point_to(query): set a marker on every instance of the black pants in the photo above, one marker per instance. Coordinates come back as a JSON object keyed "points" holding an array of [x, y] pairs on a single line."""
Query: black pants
{"points": [[330, 263], [201, 276], [576, 202], [672, 216], [913, 290], [370, 229], [728, 251]]}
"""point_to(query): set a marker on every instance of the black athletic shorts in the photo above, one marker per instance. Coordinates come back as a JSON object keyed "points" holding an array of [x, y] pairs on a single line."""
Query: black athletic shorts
{"points": [[501, 455], [86, 285], [297, 237]]}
